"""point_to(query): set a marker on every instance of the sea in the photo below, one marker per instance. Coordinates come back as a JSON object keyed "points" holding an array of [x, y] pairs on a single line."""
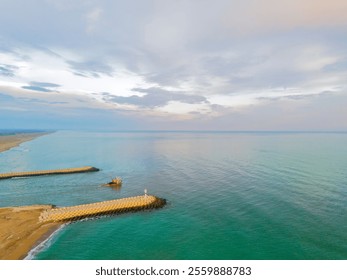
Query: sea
{"points": [[230, 195]]}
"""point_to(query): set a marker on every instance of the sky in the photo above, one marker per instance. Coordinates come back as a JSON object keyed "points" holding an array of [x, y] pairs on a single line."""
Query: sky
{"points": [[174, 65]]}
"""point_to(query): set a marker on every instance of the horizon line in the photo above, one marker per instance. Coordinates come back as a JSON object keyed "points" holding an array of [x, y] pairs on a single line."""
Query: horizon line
{"points": [[170, 131]]}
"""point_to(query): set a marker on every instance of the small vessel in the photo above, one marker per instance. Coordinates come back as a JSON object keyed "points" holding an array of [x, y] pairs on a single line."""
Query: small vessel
{"points": [[115, 182]]}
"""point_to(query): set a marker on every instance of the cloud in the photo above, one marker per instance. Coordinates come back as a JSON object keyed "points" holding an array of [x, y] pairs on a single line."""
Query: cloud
{"points": [[186, 110], [59, 67], [44, 84], [19, 97], [36, 88], [41, 86], [155, 97], [7, 70], [173, 60], [319, 113], [90, 68], [35, 100]]}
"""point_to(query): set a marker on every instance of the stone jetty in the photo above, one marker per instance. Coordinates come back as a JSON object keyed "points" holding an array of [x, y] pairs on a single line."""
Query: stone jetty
{"points": [[117, 206], [48, 172]]}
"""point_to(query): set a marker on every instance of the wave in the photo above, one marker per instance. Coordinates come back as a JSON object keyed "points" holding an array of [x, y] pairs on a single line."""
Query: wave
{"points": [[44, 244], [22, 177]]}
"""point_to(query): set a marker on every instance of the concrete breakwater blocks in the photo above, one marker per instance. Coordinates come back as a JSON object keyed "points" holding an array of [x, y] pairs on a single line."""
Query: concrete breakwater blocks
{"points": [[48, 172], [117, 206]]}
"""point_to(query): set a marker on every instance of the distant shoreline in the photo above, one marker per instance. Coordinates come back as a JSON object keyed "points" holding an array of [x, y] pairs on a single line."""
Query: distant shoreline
{"points": [[13, 140]]}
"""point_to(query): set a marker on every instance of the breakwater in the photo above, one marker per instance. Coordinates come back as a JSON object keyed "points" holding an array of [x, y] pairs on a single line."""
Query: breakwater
{"points": [[117, 206], [48, 172]]}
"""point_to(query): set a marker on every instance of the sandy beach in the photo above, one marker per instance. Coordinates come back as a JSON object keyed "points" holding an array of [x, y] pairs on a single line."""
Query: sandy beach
{"points": [[9, 141], [20, 230]]}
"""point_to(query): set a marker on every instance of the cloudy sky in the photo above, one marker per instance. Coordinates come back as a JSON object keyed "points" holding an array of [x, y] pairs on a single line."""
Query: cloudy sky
{"points": [[181, 65]]}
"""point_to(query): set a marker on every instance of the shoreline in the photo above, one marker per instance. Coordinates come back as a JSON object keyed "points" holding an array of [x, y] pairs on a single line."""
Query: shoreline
{"points": [[43, 242], [8, 142], [21, 231]]}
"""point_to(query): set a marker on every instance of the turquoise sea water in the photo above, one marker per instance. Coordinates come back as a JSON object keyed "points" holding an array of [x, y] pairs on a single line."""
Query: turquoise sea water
{"points": [[230, 195]]}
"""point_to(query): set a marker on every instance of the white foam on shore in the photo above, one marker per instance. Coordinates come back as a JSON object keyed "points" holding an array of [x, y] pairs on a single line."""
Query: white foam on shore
{"points": [[44, 244]]}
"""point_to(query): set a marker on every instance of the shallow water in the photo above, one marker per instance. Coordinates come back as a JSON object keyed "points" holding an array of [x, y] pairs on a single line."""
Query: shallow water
{"points": [[230, 195]]}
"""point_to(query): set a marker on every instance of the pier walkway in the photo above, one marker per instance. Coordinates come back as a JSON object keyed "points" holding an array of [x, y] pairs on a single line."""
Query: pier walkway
{"points": [[48, 172], [116, 206]]}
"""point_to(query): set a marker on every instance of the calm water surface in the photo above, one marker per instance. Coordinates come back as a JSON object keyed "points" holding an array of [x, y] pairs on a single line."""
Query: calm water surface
{"points": [[230, 195]]}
